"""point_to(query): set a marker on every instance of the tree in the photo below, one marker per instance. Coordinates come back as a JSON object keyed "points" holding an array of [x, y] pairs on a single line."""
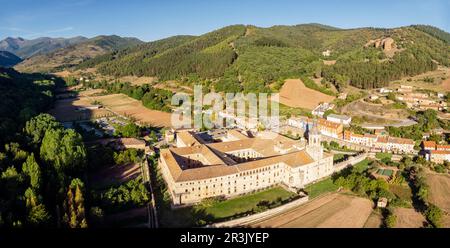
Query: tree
{"points": [[64, 150], [38, 125], [32, 169], [130, 130], [74, 211], [38, 216], [390, 220], [434, 215]]}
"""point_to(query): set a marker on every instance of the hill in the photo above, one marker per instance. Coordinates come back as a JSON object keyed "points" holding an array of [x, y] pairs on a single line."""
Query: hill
{"points": [[8, 59], [75, 54], [26, 48], [250, 58]]}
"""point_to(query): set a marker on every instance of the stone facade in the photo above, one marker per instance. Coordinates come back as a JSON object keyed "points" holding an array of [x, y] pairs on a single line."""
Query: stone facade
{"points": [[228, 169]]}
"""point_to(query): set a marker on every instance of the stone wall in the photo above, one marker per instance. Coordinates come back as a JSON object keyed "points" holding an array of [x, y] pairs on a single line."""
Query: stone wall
{"points": [[248, 220]]}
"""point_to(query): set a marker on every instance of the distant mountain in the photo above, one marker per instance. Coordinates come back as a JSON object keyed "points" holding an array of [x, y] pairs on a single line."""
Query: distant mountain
{"points": [[27, 48], [74, 54], [250, 58], [8, 59]]}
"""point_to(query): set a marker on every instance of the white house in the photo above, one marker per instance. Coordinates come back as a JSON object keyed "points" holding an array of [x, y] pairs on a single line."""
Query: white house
{"points": [[342, 119]]}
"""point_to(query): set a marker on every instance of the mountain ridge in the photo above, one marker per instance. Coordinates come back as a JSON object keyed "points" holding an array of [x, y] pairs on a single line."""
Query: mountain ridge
{"points": [[250, 58]]}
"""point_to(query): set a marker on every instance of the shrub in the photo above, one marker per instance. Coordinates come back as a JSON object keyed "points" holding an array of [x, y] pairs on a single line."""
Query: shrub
{"points": [[434, 215]]}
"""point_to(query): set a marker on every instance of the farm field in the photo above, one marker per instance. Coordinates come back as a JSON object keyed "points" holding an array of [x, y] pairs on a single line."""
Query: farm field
{"points": [[295, 94], [437, 85], [439, 194], [66, 110], [116, 174], [439, 190], [409, 218], [332, 210], [127, 106], [374, 220]]}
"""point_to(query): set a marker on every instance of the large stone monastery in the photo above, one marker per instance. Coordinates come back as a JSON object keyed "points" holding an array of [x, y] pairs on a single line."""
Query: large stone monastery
{"points": [[239, 164]]}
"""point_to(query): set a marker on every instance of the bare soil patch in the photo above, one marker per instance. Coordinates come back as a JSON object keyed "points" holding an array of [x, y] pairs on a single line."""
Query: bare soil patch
{"points": [[116, 174], [446, 84], [374, 220], [295, 94], [438, 75], [330, 211], [127, 106], [409, 218], [68, 110], [439, 190]]}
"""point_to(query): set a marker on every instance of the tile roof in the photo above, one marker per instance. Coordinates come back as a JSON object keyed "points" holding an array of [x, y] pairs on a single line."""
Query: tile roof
{"points": [[220, 164]]}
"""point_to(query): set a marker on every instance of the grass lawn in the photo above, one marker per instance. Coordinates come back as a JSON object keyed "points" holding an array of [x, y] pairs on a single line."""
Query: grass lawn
{"points": [[322, 187], [362, 166], [382, 155], [338, 157], [401, 191], [246, 203]]}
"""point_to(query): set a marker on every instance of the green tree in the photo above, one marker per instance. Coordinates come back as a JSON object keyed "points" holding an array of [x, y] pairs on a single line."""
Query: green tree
{"points": [[38, 216], [33, 171], [434, 215], [64, 150], [38, 125]]}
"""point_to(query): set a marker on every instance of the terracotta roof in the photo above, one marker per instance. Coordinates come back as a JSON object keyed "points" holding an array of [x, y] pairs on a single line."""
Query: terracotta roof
{"points": [[429, 144], [440, 152], [237, 134], [372, 136], [189, 139], [401, 141], [218, 163], [443, 147], [382, 139], [328, 124], [130, 141]]}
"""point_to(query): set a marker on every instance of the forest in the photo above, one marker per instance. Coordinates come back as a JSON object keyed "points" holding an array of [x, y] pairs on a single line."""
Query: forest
{"points": [[250, 59], [41, 163]]}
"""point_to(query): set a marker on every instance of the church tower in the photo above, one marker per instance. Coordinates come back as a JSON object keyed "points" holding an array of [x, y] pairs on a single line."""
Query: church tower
{"points": [[314, 147]]}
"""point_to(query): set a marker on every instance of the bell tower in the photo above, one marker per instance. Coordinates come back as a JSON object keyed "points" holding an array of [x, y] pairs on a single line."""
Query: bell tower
{"points": [[314, 147]]}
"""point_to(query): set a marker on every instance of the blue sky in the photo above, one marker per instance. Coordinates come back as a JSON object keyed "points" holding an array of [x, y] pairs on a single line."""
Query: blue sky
{"points": [[156, 19]]}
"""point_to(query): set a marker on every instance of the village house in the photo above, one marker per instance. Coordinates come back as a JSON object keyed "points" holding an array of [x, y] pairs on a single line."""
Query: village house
{"points": [[322, 108], [440, 156], [385, 90], [434, 152], [383, 143], [342, 119], [329, 128], [397, 145]]}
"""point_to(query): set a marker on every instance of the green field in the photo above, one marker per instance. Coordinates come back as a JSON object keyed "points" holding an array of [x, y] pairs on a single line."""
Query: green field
{"points": [[362, 166], [229, 208], [401, 191], [385, 172], [383, 155], [322, 187]]}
